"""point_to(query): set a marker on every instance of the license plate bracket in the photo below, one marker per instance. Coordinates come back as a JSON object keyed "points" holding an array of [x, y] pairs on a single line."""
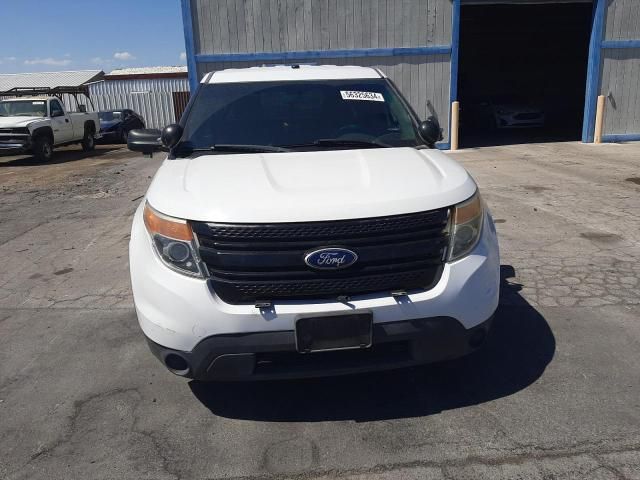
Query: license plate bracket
{"points": [[334, 332]]}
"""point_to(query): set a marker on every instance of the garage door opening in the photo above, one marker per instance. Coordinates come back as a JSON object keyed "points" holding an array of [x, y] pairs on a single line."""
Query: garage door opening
{"points": [[522, 72]]}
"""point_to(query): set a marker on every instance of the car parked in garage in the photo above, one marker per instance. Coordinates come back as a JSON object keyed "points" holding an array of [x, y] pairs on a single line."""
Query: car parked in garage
{"points": [[303, 224], [514, 112], [115, 125]]}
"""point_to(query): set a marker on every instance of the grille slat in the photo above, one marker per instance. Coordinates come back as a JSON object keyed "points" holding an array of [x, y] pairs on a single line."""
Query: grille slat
{"points": [[323, 288], [259, 262], [324, 230], [374, 239], [308, 274]]}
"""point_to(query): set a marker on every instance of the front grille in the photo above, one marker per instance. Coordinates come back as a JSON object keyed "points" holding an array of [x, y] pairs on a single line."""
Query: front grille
{"points": [[13, 131], [264, 262]]}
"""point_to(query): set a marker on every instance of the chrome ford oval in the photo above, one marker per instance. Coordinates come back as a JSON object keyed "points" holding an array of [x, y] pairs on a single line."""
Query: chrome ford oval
{"points": [[331, 258]]}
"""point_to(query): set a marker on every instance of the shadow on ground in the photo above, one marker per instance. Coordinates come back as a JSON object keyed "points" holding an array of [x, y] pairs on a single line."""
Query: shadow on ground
{"points": [[59, 156], [520, 347]]}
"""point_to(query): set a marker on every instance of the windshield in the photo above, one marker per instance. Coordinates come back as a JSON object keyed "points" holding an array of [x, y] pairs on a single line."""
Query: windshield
{"points": [[23, 108], [110, 116], [326, 114]]}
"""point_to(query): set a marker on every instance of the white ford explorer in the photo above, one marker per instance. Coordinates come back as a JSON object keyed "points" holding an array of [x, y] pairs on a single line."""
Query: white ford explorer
{"points": [[303, 224]]}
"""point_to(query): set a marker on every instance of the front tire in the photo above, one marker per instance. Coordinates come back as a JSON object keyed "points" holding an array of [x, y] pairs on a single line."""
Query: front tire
{"points": [[43, 149], [88, 141], [124, 136]]}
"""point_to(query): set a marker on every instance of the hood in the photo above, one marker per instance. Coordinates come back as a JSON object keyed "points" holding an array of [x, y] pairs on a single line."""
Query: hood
{"points": [[308, 186], [9, 122]]}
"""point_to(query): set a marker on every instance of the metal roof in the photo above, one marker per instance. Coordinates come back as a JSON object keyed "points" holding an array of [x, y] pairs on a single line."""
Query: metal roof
{"points": [[49, 79], [148, 70]]}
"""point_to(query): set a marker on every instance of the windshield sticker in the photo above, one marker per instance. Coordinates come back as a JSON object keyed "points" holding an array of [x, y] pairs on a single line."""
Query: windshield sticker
{"points": [[367, 96], [37, 103]]}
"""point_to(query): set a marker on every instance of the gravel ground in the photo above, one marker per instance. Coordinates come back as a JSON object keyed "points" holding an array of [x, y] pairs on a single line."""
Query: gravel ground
{"points": [[555, 393]]}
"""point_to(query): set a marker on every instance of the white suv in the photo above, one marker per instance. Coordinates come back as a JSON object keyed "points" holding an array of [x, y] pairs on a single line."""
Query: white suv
{"points": [[302, 224]]}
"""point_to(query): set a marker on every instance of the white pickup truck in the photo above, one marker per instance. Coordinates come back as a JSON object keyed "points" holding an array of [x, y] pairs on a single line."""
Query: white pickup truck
{"points": [[38, 124]]}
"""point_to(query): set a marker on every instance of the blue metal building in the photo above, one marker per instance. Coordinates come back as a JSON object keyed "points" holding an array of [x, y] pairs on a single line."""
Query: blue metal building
{"points": [[418, 44]]}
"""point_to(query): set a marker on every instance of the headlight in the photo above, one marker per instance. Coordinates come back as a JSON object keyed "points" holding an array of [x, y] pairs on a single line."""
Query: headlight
{"points": [[173, 241], [466, 226]]}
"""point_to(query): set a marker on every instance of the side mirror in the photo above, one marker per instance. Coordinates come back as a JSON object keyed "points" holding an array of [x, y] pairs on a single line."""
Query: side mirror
{"points": [[146, 141], [57, 113], [171, 135], [430, 130]]}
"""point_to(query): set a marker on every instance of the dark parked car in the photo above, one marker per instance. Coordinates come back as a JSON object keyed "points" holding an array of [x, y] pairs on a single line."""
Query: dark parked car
{"points": [[115, 125]]}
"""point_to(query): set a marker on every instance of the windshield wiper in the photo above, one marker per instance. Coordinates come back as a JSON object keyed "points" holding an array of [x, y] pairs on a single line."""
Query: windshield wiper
{"points": [[342, 142], [229, 147]]}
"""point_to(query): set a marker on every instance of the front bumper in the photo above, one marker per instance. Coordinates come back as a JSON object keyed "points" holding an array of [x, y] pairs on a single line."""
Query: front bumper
{"points": [[181, 315], [14, 146], [273, 355]]}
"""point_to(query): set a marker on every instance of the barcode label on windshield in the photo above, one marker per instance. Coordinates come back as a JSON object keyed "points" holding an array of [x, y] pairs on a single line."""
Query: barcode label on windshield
{"points": [[367, 96]]}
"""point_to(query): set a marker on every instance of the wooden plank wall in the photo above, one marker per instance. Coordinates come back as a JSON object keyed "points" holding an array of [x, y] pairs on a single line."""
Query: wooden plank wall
{"points": [[249, 26], [623, 20], [621, 84], [620, 80]]}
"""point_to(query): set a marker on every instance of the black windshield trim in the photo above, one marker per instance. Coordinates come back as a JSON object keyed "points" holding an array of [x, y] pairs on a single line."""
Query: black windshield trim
{"points": [[339, 142]]}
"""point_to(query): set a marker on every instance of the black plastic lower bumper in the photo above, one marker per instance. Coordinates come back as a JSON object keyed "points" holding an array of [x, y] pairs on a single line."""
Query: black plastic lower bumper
{"points": [[273, 355]]}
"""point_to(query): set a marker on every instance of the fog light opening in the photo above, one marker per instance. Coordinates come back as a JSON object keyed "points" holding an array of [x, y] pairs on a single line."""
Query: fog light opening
{"points": [[477, 338], [176, 364]]}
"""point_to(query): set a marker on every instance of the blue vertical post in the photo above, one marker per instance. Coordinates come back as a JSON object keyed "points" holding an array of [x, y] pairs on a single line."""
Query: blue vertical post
{"points": [[189, 45], [593, 71]]}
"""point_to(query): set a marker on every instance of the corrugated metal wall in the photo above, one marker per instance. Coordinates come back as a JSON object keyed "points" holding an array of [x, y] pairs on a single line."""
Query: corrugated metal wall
{"points": [[259, 26], [152, 98], [620, 71]]}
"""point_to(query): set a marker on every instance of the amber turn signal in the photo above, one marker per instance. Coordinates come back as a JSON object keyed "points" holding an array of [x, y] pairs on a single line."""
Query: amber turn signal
{"points": [[468, 210], [167, 226]]}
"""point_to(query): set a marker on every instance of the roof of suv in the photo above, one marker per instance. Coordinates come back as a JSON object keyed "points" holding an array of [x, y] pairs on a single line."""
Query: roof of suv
{"points": [[291, 73]]}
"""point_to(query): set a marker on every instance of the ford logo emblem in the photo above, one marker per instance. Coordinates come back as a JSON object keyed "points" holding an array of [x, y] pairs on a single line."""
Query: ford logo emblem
{"points": [[330, 258]]}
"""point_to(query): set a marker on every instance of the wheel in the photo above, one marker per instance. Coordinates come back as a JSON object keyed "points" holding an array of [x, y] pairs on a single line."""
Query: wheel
{"points": [[89, 141], [43, 149], [124, 136]]}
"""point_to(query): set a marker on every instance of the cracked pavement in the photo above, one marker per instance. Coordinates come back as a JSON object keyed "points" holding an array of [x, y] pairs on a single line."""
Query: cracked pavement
{"points": [[554, 395]]}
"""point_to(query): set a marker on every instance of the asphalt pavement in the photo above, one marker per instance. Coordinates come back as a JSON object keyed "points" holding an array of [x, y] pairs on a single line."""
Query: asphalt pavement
{"points": [[555, 394]]}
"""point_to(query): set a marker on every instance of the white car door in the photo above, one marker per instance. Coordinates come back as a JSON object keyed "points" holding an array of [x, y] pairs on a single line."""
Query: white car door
{"points": [[60, 123]]}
